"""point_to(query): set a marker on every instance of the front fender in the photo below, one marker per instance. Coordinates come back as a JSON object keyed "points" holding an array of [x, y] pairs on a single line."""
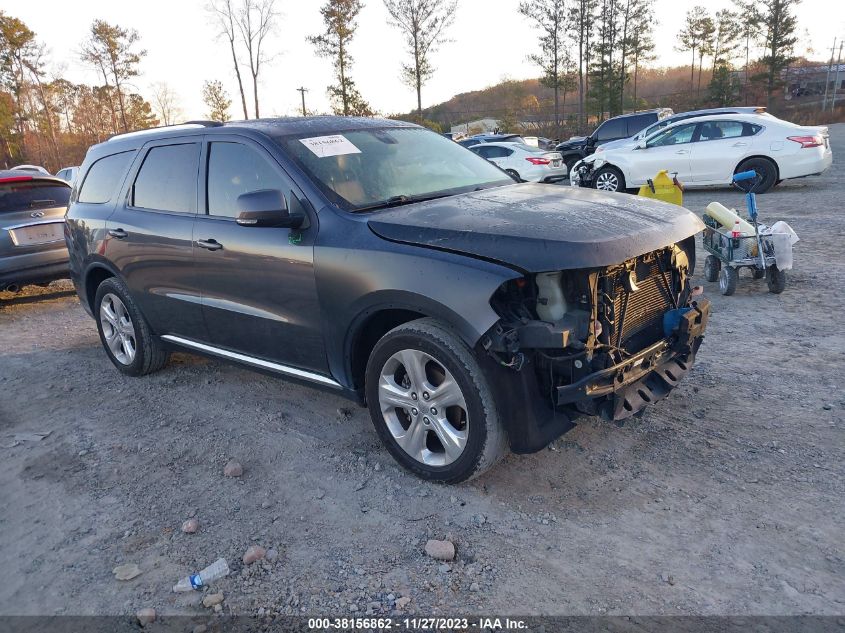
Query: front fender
{"points": [[358, 276]]}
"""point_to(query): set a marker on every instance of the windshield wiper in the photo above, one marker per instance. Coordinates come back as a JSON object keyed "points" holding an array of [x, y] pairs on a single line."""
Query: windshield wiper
{"points": [[397, 201]]}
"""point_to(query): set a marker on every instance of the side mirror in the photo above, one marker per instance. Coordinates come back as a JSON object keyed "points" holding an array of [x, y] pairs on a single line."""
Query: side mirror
{"points": [[641, 144], [266, 207]]}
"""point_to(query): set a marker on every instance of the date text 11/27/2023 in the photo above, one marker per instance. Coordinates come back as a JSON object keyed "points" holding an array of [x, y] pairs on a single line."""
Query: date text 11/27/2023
{"points": [[416, 624]]}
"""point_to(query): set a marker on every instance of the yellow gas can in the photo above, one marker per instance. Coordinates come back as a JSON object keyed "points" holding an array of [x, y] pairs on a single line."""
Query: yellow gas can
{"points": [[663, 187]]}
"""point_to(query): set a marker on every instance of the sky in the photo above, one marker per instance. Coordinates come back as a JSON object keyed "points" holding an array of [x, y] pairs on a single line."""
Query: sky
{"points": [[489, 42]]}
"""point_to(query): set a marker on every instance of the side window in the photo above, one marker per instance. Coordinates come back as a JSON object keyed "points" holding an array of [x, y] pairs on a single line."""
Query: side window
{"points": [[673, 136], [235, 169], [167, 180], [482, 151], [716, 130], [499, 152], [637, 123], [611, 130], [104, 178], [750, 129]]}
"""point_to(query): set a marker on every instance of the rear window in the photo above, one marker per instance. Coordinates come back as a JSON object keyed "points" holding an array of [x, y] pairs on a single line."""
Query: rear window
{"points": [[32, 194], [167, 180], [104, 178]]}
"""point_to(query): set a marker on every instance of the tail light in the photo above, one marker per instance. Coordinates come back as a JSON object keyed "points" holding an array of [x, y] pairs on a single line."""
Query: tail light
{"points": [[807, 141], [538, 161]]}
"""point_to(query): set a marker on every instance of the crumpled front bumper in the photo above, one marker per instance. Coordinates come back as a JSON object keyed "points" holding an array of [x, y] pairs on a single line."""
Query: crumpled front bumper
{"points": [[646, 377]]}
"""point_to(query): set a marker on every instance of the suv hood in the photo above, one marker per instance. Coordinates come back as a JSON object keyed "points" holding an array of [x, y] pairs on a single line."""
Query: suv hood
{"points": [[538, 227]]}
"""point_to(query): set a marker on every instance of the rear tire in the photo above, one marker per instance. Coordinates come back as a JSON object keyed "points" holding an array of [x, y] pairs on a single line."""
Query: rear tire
{"points": [[609, 179], [727, 281], [765, 168], [775, 279], [712, 266], [124, 332], [423, 383]]}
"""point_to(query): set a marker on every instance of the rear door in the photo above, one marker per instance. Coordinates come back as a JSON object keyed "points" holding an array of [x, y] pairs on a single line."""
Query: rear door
{"points": [[669, 150], [720, 148], [150, 235], [32, 222], [259, 294]]}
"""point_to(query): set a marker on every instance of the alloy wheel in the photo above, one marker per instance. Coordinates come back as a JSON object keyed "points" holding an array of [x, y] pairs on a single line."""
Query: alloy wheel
{"points": [[607, 181], [118, 329], [423, 407]]}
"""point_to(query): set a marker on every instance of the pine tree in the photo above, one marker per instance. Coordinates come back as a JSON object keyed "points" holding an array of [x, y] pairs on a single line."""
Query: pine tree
{"points": [[779, 26], [339, 19]]}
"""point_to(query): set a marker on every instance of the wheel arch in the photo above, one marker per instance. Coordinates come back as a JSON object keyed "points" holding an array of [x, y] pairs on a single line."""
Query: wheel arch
{"points": [[379, 318], [95, 274]]}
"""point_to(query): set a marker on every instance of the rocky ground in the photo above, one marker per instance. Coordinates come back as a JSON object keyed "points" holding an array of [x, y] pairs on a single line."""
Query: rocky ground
{"points": [[727, 498]]}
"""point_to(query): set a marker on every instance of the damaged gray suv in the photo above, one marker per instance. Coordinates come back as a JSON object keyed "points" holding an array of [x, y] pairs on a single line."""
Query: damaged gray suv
{"points": [[383, 262]]}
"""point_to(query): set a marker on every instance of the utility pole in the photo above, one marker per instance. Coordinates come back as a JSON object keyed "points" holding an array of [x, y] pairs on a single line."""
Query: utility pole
{"points": [[303, 90], [827, 79], [836, 81]]}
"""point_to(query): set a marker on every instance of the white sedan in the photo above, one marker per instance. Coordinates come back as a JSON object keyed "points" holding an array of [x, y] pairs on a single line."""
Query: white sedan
{"points": [[709, 150], [524, 162]]}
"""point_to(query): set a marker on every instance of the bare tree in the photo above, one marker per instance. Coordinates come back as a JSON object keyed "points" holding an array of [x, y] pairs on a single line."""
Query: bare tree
{"points": [[166, 103], [423, 24], [255, 21], [550, 17], [110, 49], [224, 15]]}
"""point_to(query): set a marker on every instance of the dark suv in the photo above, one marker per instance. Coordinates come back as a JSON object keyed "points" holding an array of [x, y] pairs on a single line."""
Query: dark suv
{"points": [[614, 129], [382, 261]]}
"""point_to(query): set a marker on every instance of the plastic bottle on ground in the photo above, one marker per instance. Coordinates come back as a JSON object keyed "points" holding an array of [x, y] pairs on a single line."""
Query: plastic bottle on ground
{"points": [[216, 570]]}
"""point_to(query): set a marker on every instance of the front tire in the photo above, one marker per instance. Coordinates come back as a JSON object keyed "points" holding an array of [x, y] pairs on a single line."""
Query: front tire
{"points": [[728, 278], [609, 179], [432, 405], [775, 279], [124, 332]]}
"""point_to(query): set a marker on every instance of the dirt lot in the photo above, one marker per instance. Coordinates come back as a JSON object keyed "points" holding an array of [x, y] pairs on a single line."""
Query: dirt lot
{"points": [[728, 498]]}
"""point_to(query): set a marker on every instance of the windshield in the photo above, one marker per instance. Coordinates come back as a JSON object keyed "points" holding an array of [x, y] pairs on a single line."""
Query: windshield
{"points": [[372, 168]]}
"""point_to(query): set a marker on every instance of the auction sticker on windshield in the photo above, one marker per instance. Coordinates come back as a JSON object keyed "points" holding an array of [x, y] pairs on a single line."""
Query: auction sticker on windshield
{"points": [[334, 145]]}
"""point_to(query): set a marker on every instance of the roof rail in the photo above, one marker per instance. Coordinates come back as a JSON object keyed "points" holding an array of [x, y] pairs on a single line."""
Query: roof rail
{"points": [[175, 126], [204, 123]]}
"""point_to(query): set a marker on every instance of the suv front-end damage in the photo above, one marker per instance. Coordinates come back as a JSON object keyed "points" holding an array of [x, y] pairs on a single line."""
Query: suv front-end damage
{"points": [[602, 341]]}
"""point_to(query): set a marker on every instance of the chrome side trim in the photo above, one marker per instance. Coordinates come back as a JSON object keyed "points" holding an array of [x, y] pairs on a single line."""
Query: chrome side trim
{"points": [[250, 360]]}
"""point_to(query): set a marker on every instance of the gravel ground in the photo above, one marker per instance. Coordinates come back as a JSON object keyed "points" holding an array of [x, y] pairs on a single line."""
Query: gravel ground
{"points": [[727, 498]]}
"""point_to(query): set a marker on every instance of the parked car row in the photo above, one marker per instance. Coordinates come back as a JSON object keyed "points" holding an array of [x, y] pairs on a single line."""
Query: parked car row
{"points": [[707, 150]]}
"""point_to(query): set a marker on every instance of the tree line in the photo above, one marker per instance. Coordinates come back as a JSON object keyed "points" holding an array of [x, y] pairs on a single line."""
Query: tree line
{"points": [[595, 48], [590, 49]]}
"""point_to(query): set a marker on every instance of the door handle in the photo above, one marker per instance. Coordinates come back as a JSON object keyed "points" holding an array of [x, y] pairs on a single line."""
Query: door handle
{"points": [[210, 244], [740, 144], [682, 151], [118, 233]]}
